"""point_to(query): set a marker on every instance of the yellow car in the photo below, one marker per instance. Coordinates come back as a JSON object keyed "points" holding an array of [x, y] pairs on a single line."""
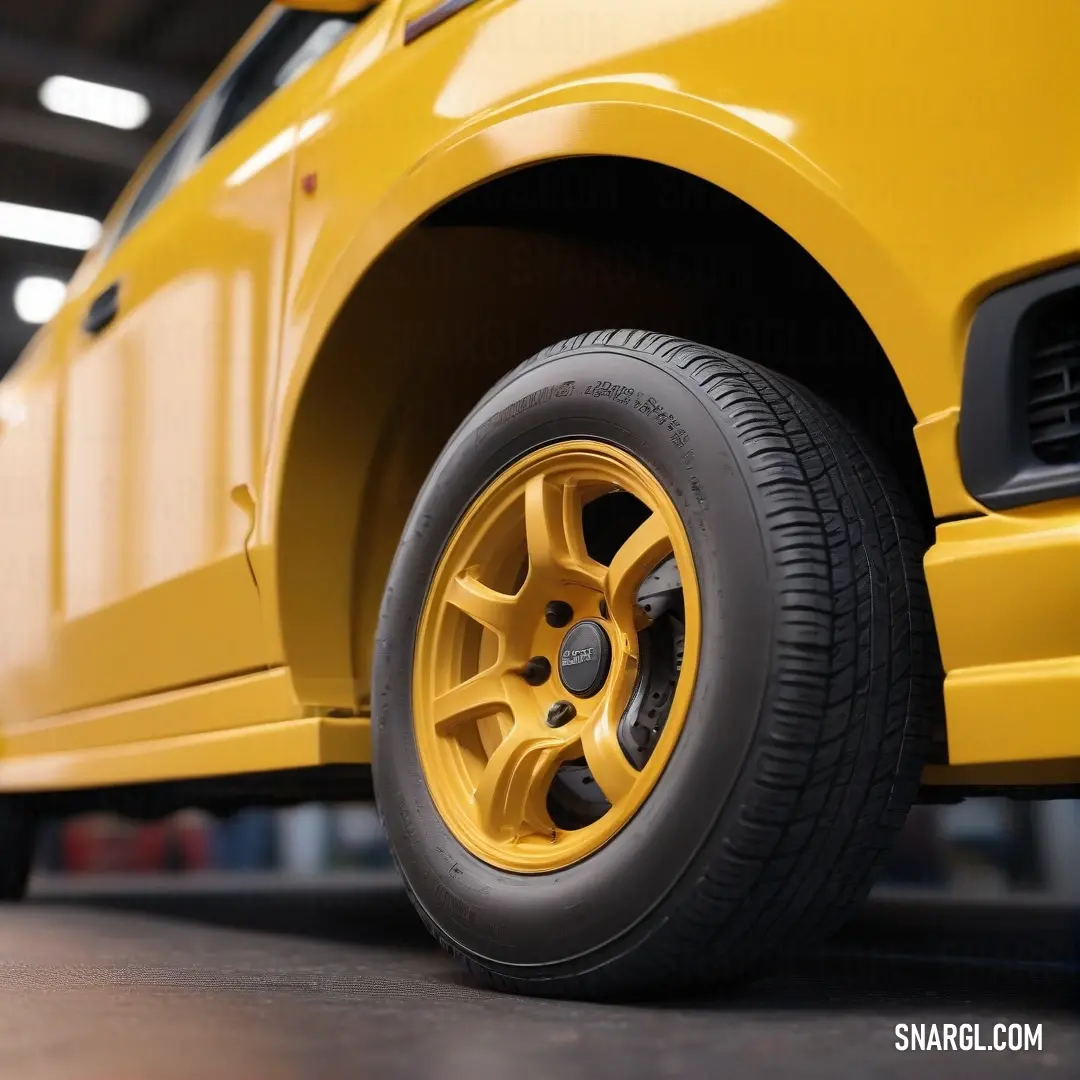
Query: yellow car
{"points": [[395, 439]]}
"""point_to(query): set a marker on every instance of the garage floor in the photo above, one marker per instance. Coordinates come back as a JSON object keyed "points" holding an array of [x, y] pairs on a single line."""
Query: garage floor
{"points": [[252, 980]]}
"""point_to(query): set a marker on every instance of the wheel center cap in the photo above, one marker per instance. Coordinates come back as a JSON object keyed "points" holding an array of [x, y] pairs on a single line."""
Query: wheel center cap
{"points": [[584, 658]]}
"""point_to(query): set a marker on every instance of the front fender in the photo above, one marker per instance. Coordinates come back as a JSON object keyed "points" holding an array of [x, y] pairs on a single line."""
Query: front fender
{"points": [[708, 141]]}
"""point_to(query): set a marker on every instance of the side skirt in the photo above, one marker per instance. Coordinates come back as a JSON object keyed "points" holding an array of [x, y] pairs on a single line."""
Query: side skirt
{"points": [[250, 724]]}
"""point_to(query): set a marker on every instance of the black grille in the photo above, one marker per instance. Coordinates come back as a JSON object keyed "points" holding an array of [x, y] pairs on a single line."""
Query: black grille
{"points": [[1053, 348]]}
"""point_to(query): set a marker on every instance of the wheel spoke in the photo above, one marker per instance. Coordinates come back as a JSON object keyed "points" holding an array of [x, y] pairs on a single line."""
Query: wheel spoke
{"points": [[512, 794], [554, 533], [487, 606], [639, 555], [473, 699], [614, 775]]}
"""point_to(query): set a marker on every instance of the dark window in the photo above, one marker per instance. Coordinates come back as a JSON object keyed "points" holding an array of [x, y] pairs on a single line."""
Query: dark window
{"points": [[155, 185], [296, 41]]}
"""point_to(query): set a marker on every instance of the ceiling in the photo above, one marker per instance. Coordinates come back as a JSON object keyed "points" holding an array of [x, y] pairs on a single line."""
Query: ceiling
{"points": [[163, 48]]}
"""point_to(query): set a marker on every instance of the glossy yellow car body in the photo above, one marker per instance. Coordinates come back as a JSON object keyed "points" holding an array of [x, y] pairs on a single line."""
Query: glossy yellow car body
{"points": [[201, 502]]}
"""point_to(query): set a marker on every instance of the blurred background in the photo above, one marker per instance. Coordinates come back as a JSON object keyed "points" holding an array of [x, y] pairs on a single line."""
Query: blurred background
{"points": [[980, 847], [86, 88]]}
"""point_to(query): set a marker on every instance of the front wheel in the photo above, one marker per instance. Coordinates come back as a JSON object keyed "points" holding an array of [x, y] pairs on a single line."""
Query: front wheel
{"points": [[653, 675]]}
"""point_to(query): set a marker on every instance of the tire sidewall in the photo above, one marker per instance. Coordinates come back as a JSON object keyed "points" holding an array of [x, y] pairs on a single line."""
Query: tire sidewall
{"points": [[567, 919]]}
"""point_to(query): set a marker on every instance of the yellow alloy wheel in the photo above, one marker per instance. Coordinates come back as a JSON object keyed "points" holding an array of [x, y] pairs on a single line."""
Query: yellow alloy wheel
{"points": [[531, 658]]}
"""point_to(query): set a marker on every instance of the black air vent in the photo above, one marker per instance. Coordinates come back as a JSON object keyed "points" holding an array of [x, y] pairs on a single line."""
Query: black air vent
{"points": [[1053, 352]]}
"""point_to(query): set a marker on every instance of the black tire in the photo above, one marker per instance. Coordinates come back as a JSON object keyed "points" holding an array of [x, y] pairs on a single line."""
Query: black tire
{"points": [[17, 834], [818, 683]]}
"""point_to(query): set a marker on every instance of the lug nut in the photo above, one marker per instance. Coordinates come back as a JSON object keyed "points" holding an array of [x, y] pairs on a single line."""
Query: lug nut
{"points": [[537, 671], [562, 712], [558, 613]]}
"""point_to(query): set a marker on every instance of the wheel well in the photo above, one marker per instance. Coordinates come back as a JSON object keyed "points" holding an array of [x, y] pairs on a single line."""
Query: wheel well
{"points": [[501, 271]]}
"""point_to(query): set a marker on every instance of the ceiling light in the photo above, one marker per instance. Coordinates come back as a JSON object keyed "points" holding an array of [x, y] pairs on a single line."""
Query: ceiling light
{"points": [[52, 227], [102, 104], [38, 299]]}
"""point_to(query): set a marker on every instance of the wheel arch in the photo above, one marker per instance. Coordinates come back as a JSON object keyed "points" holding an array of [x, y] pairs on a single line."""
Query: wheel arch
{"points": [[363, 409]]}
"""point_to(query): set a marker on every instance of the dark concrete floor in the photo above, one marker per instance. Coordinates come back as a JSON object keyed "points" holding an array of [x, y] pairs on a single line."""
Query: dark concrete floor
{"points": [[256, 980]]}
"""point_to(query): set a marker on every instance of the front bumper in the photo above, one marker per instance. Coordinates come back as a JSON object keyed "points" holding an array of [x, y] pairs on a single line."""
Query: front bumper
{"points": [[1019, 435], [1006, 596]]}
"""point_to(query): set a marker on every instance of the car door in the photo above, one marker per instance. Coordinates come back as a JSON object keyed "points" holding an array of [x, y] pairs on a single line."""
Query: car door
{"points": [[30, 397], [168, 384]]}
